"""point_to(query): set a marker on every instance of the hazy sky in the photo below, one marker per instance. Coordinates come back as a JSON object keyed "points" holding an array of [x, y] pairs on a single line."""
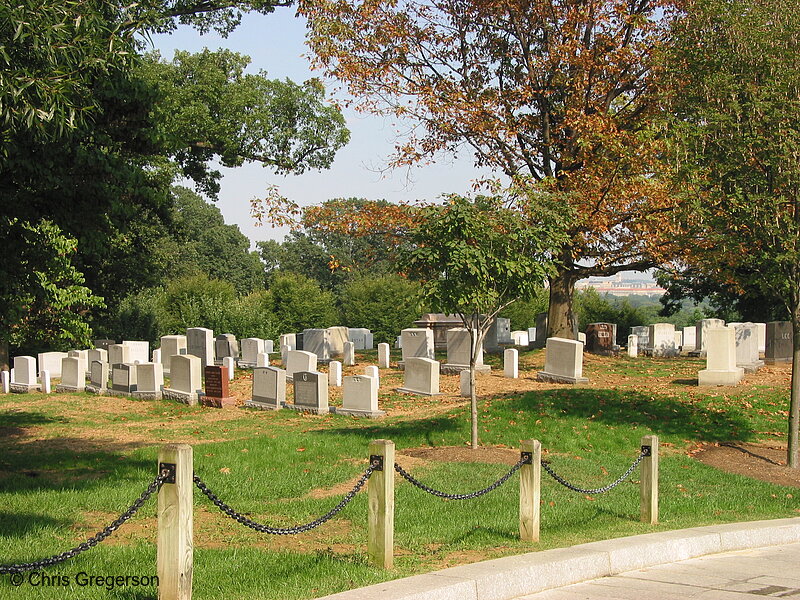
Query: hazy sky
{"points": [[275, 43]]}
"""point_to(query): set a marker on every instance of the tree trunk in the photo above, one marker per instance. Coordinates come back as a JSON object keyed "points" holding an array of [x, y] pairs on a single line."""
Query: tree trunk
{"points": [[560, 316], [473, 395], [794, 402]]}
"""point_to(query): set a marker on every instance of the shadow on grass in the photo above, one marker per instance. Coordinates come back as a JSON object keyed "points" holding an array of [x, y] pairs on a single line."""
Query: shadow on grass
{"points": [[629, 408], [20, 524], [401, 432]]}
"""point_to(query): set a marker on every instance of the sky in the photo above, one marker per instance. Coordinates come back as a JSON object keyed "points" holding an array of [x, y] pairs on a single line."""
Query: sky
{"points": [[275, 43]]}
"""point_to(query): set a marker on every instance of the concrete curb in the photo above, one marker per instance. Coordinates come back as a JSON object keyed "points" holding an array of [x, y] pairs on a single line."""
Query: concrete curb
{"points": [[514, 576]]}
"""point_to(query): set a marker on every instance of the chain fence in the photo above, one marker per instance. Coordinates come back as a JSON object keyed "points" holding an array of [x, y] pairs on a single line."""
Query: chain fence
{"points": [[260, 527], [411, 479], [92, 541], [546, 466]]}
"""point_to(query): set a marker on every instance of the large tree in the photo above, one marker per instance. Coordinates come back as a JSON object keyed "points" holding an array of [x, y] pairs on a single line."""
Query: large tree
{"points": [[735, 126], [94, 133], [554, 94]]}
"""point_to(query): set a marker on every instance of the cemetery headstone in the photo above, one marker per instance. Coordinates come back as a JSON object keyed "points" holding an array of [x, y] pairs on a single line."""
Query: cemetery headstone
{"points": [[643, 333], [349, 354], [298, 341], [778, 347], [45, 377], [251, 348], [359, 335], [81, 355], [463, 384], [225, 345], [123, 378], [185, 382], [73, 375], [269, 346], [262, 359], [5, 381], [600, 339], [97, 354], [662, 339], [678, 340], [119, 354], [563, 362], [157, 357], [299, 360], [337, 336], [689, 339], [374, 372], [140, 351], [98, 377], [317, 341], [520, 338], [702, 326], [288, 339], [51, 361], [24, 375], [172, 345], [541, 331], [531, 335], [216, 393], [511, 363], [269, 388], [746, 336], [633, 346], [200, 343], [498, 336], [421, 376], [438, 323], [581, 337], [227, 362], [761, 329], [149, 381], [416, 343], [458, 352], [335, 373], [310, 392], [103, 344], [383, 355], [721, 369], [360, 397]]}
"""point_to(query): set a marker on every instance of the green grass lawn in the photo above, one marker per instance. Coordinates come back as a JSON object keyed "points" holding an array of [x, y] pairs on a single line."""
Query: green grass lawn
{"points": [[71, 463]]}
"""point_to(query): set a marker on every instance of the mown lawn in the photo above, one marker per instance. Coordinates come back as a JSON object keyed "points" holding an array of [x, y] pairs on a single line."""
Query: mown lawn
{"points": [[69, 464]]}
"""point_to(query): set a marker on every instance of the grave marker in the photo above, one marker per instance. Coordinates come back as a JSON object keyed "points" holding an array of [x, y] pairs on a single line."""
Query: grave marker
{"points": [[721, 366], [73, 375], [458, 352], [251, 348], [746, 336], [185, 384], [51, 361], [149, 381], [383, 355], [349, 354], [299, 360], [172, 345], [45, 377], [269, 388], [98, 377], [633, 346], [360, 397], [123, 378], [563, 362], [372, 371], [310, 392], [337, 336], [216, 394], [317, 341], [200, 343], [335, 373], [600, 339], [139, 351], [23, 378], [511, 363], [416, 343], [778, 342], [702, 326], [662, 339], [421, 376], [119, 354]]}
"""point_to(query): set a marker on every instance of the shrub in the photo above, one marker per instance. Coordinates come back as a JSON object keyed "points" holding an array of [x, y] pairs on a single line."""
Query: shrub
{"points": [[384, 304]]}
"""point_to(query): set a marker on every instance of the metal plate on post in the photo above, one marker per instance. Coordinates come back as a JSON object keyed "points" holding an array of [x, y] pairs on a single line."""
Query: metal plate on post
{"points": [[170, 469]]}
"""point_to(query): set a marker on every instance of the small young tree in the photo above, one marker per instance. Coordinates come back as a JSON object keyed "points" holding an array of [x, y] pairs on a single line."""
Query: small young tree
{"points": [[473, 258]]}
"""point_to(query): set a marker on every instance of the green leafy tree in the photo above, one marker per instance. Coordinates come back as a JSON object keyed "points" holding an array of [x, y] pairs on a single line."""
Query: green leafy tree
{"points": [[299, 303], [41, 301], [735, 127], [473, 259], [384, 304]]}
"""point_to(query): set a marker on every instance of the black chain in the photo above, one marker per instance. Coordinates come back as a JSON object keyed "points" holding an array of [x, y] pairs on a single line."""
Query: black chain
{"points": [[285, 530], [410, 478], [92, 541], [623, 477]]}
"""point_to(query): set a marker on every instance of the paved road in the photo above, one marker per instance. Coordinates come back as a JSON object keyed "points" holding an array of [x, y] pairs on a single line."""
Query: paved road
{"points": [[771, 572]]}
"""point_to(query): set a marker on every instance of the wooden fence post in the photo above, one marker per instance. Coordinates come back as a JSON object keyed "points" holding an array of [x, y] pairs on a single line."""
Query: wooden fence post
{"points": [[380, 545], [648, 488], [175, 522], [530, 478]]}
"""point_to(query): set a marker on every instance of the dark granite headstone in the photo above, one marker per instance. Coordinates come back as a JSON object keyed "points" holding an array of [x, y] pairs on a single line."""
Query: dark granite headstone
{"points": [[123, 378], [600, 338], [779, 342], [216, 392], [103, 344]]}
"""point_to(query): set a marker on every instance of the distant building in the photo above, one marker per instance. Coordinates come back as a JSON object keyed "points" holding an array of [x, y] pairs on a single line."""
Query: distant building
{"points": [[619, 286]]}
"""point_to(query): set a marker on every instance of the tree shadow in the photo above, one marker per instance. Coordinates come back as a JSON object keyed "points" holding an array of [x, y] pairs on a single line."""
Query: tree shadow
{"points": [[20, 524], [660, 414], [404, 432]]}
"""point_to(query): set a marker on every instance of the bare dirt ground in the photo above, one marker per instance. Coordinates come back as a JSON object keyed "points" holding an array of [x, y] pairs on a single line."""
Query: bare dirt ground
{"points": [[759, 461]]}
